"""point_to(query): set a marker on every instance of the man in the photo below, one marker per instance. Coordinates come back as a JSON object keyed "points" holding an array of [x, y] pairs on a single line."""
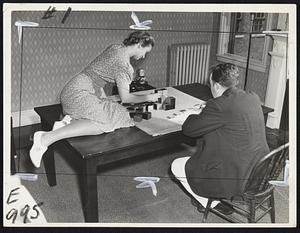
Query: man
{"points": [[232, 140]]}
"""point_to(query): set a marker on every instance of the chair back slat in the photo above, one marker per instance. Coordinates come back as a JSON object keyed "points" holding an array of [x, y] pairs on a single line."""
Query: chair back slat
{"points": [[280, 164], [268, 168]]}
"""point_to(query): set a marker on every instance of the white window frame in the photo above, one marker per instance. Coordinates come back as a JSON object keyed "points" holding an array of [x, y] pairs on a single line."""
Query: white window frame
{"points": [[224, 56]]}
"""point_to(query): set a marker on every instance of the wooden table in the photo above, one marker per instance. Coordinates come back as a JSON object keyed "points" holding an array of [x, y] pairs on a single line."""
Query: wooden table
{"points": [[93, 151]]}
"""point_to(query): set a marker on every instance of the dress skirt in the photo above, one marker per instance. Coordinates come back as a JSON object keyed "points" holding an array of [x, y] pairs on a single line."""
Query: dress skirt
{"points": [[84, 98]]}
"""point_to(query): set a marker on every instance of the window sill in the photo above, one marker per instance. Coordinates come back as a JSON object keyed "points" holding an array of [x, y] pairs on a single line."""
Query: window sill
{"points": [[242, 62], [252, 36]]}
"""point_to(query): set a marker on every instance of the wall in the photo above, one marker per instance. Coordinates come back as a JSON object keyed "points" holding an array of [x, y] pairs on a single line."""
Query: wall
{"points": [[54, 52]]}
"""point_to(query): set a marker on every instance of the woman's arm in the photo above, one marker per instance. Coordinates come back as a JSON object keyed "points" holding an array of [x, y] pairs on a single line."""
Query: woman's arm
{"points": [[127, 97]]}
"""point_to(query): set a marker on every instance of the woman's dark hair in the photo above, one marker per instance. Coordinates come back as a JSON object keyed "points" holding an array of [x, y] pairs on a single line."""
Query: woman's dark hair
{"points": [[141, 37], [225, 74]]}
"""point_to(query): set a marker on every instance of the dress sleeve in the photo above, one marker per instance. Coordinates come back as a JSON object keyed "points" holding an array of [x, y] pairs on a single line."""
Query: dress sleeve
{"points": [[208, 120], [123, 80]]}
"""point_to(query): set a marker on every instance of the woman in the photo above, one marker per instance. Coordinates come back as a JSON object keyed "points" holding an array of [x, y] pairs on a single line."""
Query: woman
{"points": [[84, 97]]}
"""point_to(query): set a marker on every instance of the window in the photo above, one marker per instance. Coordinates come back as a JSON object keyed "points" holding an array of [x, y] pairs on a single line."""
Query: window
{"points": [[259, 22], [234, 38]]}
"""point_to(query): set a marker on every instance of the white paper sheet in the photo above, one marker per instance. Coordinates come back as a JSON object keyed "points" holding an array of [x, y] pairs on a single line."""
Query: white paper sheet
{"points": [[168, 121]]}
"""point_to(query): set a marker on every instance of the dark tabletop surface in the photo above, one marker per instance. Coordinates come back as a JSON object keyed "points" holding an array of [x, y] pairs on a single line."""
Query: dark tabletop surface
{"points": [[197, 90]]}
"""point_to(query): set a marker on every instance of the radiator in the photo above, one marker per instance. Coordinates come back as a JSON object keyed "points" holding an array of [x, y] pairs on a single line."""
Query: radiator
{"points": [[188, 63]]}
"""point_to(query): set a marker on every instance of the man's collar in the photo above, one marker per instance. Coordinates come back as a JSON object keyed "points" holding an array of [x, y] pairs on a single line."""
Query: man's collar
{"points": [[229, 90]]}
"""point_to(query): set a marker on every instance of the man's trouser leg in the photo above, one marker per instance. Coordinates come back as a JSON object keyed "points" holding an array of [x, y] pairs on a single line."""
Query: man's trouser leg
{"points": [[178, 169]]}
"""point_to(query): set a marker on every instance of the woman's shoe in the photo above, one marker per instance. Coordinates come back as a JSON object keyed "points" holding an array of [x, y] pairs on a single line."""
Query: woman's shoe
{"points": [[37, 150]]}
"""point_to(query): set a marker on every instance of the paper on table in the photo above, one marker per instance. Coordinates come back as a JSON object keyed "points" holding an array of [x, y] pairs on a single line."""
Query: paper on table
{"points": [[181, 116], [158, 126], [163, 122]]}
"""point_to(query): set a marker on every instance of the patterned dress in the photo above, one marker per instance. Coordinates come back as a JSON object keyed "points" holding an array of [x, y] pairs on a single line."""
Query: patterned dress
{"points": [[85, 95]]}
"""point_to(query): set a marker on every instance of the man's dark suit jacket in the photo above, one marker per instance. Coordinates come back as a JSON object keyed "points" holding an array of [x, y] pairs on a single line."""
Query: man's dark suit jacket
{"points": [[233, 141]]}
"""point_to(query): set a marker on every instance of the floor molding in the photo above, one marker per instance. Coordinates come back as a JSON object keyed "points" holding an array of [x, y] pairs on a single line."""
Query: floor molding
{"points": [[28, 117]]}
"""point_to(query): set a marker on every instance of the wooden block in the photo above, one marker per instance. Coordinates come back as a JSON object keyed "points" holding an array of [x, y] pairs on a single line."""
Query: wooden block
{"points": [[146, 115], [169, 103], [138, 117]]}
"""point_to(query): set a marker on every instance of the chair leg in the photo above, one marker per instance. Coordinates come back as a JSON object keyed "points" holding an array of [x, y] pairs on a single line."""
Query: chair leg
{"points": [[272, 205], [207, 209], [251, 218]]}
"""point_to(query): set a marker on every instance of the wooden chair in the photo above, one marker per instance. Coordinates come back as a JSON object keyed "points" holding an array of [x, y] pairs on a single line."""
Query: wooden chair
{"points": [[258, 196]]}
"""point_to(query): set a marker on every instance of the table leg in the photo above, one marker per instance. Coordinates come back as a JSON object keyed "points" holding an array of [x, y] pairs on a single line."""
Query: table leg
{"points": [[49, 165], [48, 158], [89, 190]]}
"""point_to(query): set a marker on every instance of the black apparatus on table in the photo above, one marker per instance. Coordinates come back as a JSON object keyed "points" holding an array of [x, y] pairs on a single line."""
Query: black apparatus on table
{"points": [[140, 83], [140, 111]]}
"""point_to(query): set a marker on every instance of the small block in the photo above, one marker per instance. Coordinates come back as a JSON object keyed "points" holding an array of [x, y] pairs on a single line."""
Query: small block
{"points": [[139, 110], [138, 117], [146, 115]]}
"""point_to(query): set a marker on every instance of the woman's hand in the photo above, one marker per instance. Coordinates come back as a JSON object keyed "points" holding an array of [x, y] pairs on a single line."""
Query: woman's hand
{"points": [[127, 97]]}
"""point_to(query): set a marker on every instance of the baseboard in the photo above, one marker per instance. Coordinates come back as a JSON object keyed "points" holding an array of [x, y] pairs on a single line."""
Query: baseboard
{"points": [[24, 118]]}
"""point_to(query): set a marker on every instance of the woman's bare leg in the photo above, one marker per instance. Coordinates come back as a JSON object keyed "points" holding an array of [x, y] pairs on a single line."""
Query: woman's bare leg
{"points": [[42, 140], [75, 128]]}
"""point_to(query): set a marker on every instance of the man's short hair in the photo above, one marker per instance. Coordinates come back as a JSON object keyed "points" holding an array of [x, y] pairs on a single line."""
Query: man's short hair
{"points": [[225, 74]]}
